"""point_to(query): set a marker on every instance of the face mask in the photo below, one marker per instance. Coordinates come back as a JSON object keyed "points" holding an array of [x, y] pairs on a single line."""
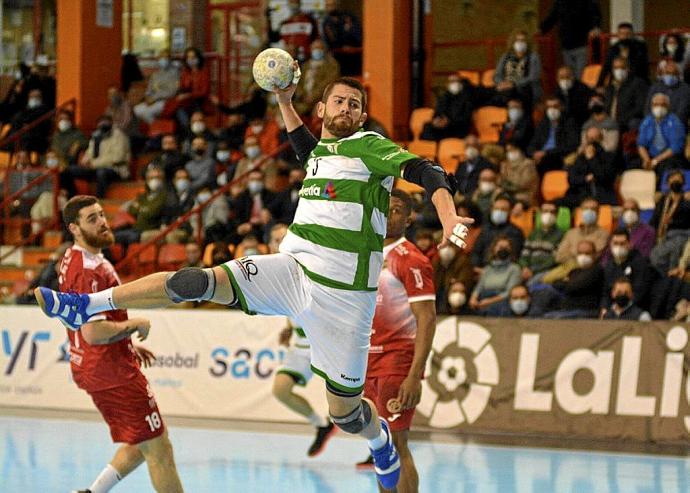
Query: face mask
{"points": [[193, 62], [503, 254], [199, 151], [553, 114], [251, 251], [454, 87], [498, 216], [513, 156], [256, 129], [514, 114], [163, 63], [182, 185], [622, 300], [18, 75], [548, 218], [105, 127], [486, 187], [670, 79], [252, 151], [34, 102], [317, 55], [52, 162], [471, 153], [520, 47], [446, 254], [519, 306], [198, 127], [223, 155], [116, 100], [565, 84], [255, 187], [203, 197], [457, 299], [630, 217], [676, 186], [296, 185], [154, 184], [619, 251], [584, 261], [620, 74], [597, 108], [671, 48], [589, 217], [64, 125], [659, 111]]}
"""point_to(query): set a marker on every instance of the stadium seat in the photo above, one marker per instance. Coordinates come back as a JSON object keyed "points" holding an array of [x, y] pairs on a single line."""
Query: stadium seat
{"points": [[146, 258], [639, 184], [450, 151], [664, 184], [418, 118], [488, 121], [171, 256], [161, 126], [605, 219], [488, 78], [125, 190], [471, 75], [121, 219], [424, 148], [524, 221], [5, 159], [554, 185], [83, 187], [590, 75]]}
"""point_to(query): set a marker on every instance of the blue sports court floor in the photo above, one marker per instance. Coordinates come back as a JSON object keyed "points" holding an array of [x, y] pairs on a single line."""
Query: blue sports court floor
{"points": [[56, 455]]}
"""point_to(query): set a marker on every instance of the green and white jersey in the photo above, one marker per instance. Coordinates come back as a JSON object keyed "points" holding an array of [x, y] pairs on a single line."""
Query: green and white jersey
{"points": [[338, 231]]}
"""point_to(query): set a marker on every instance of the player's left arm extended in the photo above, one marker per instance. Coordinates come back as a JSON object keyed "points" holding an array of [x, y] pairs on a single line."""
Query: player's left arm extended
{"points": [[440, 187], [410, 391]]}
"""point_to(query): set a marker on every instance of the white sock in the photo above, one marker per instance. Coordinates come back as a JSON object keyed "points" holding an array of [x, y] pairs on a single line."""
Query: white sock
{"points": [[378, 442], [108, 478], [101, 302], [317, 420]]}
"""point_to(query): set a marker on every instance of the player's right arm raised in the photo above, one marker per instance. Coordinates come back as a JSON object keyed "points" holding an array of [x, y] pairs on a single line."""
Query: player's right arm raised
{"points": [[108, 332]]}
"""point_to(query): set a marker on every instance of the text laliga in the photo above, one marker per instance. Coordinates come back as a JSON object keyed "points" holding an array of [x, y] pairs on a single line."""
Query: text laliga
{"points": [[600, 364]]}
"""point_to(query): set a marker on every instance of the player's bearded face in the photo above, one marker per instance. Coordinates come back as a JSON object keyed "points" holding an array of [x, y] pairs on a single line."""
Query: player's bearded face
{"points": [[340, 125], [103, 236]]}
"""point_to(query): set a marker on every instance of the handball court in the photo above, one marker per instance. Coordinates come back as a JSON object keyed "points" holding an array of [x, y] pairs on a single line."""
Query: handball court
{"points": [[48, 451]]}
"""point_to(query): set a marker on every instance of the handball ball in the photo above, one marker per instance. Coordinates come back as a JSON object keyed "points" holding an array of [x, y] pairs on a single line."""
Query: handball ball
{"points": [[273, 67]]}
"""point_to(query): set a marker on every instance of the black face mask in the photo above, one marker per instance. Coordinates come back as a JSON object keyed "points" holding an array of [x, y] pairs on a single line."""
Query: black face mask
{"points": [[199, 152], [105, 128], [676, 186], [296, 185], [597, 108], [503, 254], [622, 300]]}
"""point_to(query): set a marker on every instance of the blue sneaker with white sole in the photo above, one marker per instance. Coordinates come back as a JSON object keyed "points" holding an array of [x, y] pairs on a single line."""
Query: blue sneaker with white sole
{"points": [[69, 308], [386, 461]]}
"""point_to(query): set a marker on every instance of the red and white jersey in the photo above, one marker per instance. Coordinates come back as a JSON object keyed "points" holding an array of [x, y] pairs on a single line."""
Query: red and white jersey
{"points": [[105, 366], [407, 277]]}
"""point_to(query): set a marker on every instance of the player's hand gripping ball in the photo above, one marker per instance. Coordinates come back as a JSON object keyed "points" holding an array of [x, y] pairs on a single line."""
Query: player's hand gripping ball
{"points": [[273, 68]]}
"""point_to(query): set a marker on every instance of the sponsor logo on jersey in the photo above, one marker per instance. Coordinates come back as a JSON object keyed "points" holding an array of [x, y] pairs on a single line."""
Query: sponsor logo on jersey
{"points": [[329, 191], [310, 191]]}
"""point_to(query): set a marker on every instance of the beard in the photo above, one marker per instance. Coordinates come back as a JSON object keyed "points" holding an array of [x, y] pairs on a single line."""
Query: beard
{"points": [[103, 239], [340, 125]]}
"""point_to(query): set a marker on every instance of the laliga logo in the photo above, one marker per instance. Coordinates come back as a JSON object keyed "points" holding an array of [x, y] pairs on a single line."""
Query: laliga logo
{"points": [[462, 371]]}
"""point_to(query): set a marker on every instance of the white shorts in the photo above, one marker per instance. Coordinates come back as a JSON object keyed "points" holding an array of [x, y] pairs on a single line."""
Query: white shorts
{"points": [[337, 322], [297, 364]]}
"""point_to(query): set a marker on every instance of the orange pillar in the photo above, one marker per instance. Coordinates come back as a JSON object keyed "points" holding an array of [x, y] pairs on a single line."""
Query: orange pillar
{"points": [[88, 55], [387, 26]]}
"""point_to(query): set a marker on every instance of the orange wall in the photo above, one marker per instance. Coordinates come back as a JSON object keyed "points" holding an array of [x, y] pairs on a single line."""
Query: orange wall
{"points": [[88, 57]]}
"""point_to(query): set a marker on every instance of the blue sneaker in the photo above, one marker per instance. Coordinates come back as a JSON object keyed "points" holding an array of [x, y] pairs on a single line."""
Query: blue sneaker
{"points": [[69, 308], [386, 461]]}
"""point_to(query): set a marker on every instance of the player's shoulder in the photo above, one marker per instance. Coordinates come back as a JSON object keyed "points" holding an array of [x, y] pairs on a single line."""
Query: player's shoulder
{"points": [[407, 252]]}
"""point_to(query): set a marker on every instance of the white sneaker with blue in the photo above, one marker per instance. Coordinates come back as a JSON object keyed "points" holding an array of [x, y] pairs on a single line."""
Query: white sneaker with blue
{"points": [[69, 308], [386, 461]]}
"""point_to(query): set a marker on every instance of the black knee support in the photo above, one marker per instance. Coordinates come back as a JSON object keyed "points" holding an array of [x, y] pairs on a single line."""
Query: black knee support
{"points": [[356, 421], [190, 284]]}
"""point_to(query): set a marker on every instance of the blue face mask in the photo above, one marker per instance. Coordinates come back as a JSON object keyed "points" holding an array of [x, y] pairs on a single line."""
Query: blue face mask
{"points": [[670, 79], [499, 217], [589, 217]]}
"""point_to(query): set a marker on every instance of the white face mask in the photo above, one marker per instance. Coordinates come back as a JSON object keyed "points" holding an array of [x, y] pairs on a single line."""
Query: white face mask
{"points": [[446, 254], [619, 251], [222, 155], [519, 306], [471, 153], [457, 299], [203, 197], [256, 129], [454, 87], [52, 162], [553, 114], [548, 218], [513, 156], [182, 185], [520, 47], [659, 111], [486, 187], [34, 102], [620, 74], [163, 63], [252, 151], [317, 55], [64, 125], [499, 217], [565, 84], [671, 48], [584, 260], [255, 187], [589, 217], [198, 127], [630, 217], [154, 184], [514, 114]]}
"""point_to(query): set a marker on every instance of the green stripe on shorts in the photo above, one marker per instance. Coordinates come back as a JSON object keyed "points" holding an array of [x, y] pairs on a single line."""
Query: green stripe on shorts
{"points": [[344, 388], [238, 291], [300, 332], [300, 380]]}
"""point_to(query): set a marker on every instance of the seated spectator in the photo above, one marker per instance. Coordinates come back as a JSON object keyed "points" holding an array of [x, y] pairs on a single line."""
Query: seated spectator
{"points": [[642, 236], [670, 82], [249, 245], [497, 279], [519, 177], [252, 157], [194, 89], [624, 96], [319, 71], [486, 192], [601, 120], [518, 73], [633, 51], [450, 266], [579, 282], [283, 207], [147, 210], [556, 136], [671, 220], [518, 129], [170, 158], [621, 303], [214, 217], [36, 139], [121, 112], [192, 254], [16, 95], [520, 304], [162, 86], [342, 32], [298, 31], [498, 224], [589, 230], [106, 159], [198, 128], [538, 253], [202, 167], [468, 171], [249, 208], [267, 134], [453, 113], [661, 142], [593, 174], [627, 262], [574, 95], [673, 48], [457, 300], [683, 264], [180, 199], [68, 141]]}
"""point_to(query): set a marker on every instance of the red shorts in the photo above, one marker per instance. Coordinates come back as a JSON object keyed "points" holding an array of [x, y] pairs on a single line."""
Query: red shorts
{"points": [[130, 411], [383, 389]]}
